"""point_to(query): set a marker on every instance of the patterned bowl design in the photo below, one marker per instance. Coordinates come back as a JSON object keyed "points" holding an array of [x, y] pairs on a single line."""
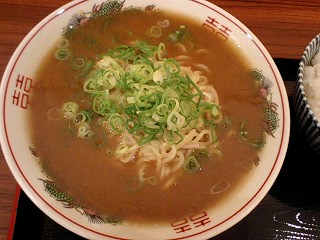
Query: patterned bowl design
{"points": [[309, 124]]}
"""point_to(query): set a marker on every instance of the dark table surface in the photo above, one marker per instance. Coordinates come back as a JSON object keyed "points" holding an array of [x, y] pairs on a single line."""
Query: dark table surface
{"points": [[291, 208]]}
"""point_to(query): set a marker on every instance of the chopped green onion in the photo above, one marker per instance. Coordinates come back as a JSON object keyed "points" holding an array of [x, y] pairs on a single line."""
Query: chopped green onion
{"points": [[155, 31], [175, 137], [179, 34], [156, 96], [122, 149], [258, 143], [191, 165], [214, 110], [83, 116], [175, 121], [103, 106], [171, 66], [87, 68], [78, 63], [146, 139], [63, 43], [70, 109], [213, 133], [132, 126], [84, 131], [197, 88], [161, 51], [117, 123], [62, 54]]}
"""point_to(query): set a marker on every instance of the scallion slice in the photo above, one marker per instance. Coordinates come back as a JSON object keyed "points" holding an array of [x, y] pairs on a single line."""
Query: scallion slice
{"points": [[191, 165]]}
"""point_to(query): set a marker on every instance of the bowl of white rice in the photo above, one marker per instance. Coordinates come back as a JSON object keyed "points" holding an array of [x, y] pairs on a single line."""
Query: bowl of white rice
{"points": [[307, 94]]}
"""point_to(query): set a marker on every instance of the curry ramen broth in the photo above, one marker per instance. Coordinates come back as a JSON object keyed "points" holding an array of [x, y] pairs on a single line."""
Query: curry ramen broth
{"points": [[86, 168]]}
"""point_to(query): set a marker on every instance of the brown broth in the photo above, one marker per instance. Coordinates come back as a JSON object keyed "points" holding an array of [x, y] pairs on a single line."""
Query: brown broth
{"points": [[96, 181]]}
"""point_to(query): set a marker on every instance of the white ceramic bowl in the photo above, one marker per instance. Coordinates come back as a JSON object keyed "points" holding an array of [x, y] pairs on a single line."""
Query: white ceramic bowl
{"points": [[15, 139], [308, 121]]}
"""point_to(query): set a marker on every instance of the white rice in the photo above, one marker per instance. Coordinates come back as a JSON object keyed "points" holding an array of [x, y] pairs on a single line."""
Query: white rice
{"points": [[312, 84]]}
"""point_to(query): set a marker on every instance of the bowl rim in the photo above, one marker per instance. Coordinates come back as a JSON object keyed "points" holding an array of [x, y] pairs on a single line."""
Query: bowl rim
{"points": [[256, 199]]}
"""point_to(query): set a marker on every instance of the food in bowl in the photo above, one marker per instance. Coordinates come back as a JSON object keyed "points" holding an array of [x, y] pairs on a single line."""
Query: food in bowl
{"points": [[138, 117], [311, 84], [306, 94], [131, 114]]}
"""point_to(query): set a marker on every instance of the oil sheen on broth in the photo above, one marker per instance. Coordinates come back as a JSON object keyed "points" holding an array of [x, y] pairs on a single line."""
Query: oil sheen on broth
{"points": [[86, 168]]}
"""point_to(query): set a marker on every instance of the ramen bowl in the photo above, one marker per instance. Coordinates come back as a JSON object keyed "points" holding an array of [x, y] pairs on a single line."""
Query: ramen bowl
{"points": [[306, 94], [20, 84]]}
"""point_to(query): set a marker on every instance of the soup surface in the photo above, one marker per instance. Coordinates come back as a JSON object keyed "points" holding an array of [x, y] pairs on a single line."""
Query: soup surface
{"points": [[87, 169]]}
